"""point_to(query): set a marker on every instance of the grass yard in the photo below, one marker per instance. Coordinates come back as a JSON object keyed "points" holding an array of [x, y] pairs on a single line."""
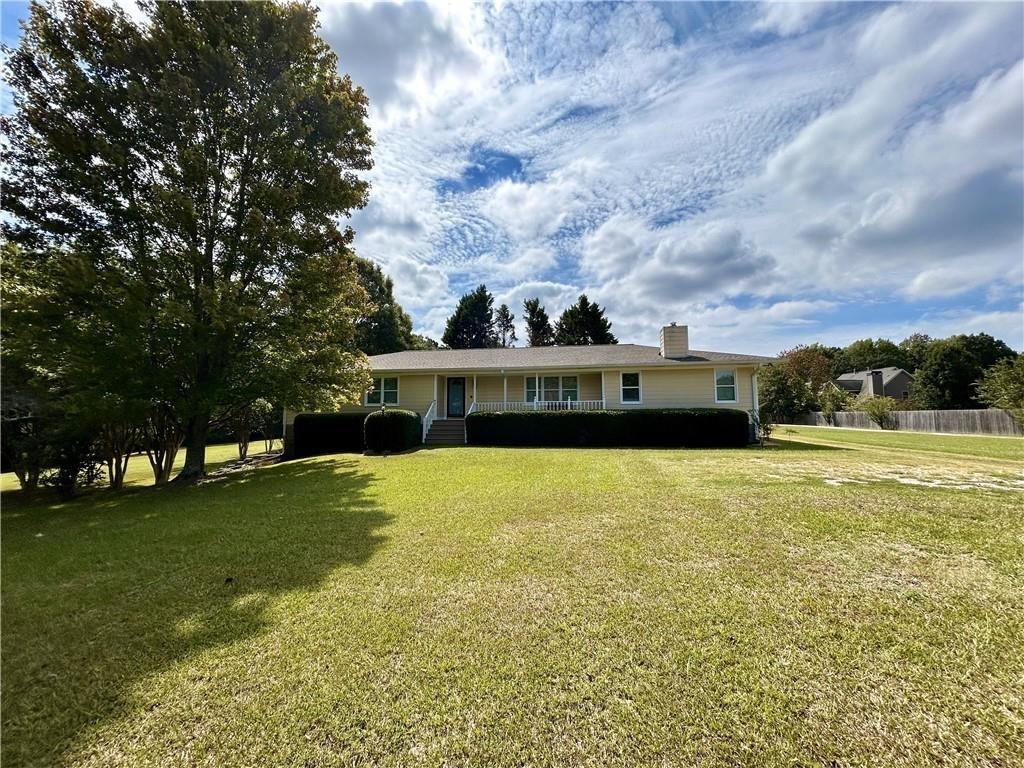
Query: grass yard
{"points": [[848, 603]]}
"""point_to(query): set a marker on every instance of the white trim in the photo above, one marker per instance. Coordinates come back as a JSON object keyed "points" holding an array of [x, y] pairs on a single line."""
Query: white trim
{"points": [[735, 385], [398, 391], [669, 365], [639, 386]]}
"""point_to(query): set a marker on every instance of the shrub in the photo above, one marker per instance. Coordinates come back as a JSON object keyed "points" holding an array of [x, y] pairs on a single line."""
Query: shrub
{"points": [[392, 430], [879, 410], [316, 434], [832, 400], [1002, 386], [668, 428]]}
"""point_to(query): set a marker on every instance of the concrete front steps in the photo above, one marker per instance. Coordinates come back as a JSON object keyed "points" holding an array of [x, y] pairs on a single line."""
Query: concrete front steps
{"points": [[447, 432]]}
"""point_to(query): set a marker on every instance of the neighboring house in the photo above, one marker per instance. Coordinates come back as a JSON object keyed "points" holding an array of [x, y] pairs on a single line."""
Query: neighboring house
{"points": [[445, 385], [880, 382]]}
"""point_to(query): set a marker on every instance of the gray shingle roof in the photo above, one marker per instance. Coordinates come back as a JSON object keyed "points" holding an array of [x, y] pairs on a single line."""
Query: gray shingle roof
{"points": [[529, 358], [887, 374], [854, 380]]}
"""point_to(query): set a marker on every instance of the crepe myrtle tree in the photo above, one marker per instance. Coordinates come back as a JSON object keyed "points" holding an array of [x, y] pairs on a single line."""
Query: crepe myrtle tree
{"points": [[197, 162]]}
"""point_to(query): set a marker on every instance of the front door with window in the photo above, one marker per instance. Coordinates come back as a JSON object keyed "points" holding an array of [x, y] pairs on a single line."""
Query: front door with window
{"points": [[456, 398]]}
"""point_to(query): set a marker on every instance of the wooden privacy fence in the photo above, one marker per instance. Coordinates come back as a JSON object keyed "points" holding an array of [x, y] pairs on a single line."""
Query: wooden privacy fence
{"points": [[990, 421]]}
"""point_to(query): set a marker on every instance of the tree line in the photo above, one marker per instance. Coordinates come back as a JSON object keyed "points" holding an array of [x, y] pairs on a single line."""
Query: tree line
{"points": [[963, 371], [475, 324]]}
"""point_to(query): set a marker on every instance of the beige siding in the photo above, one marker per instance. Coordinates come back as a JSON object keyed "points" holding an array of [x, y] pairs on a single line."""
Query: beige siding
{"points": [[680, 388], [677, 388], [415, 393]]}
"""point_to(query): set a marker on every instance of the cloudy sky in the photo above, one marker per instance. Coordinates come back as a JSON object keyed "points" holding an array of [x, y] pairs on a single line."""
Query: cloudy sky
{"points": [[767, 174]]}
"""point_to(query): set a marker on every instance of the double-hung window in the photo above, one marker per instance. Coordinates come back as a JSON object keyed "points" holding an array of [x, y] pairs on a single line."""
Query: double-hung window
{"points": [[385, 390], [551, 389], [531, 389], [725, 385], [630, 390], [570, 389]]}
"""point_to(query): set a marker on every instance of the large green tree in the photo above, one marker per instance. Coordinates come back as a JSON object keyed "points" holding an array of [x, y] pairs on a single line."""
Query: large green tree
{"points": [[952, 368], [197, 164], [783, 396], [916, 347], [866, 354], [583, 323], [471, 325], [385, 327], [539, 332], [809, 363]]}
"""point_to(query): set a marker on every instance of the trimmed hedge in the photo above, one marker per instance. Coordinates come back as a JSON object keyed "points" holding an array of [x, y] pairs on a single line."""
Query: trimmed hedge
{"points": [[647, 428], [392, 431], [316, 434]]}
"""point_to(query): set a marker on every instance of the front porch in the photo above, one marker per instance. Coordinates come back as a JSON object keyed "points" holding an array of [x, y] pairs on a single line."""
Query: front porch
{"points": [[496, 406], [458, 395]]}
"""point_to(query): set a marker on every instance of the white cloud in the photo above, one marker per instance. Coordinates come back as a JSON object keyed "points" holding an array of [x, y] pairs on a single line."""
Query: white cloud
{"points": [[405, 54], [787, 19], [879, 156], [635, 265]]}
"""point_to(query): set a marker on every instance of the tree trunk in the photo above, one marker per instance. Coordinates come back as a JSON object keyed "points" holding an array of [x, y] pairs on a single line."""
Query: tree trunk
{"points": [[195, 449]]}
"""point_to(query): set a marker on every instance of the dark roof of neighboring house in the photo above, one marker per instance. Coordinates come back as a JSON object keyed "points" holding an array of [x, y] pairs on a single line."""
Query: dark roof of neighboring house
{"points": [[854, 380], [528, 358]]}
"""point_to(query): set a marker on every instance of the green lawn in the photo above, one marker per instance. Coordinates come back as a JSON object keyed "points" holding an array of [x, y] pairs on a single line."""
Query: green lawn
{"points": [[967, 445], [804, 604]]}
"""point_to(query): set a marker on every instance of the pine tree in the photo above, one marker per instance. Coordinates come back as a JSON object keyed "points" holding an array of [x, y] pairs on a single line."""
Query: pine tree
{"points": [[583, 323], [471, 325], [504, 326], [538, 324]]}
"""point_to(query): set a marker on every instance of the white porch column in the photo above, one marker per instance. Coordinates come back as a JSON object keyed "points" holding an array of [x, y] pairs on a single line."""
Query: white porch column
{"points": [[753, 393], [603, 402], [504, 391], [474, 389]]}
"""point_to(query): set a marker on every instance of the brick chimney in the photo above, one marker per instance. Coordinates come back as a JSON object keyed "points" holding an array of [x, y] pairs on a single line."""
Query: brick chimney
{"points": [[675, 341]]}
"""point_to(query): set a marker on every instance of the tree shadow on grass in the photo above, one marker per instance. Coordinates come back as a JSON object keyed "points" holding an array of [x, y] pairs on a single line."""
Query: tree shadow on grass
{"points": [[102, 592], [785, 444]]}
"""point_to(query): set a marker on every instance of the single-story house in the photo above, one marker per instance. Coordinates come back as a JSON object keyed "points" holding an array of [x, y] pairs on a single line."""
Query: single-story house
{"points": [[445, 385], [879, 382]]}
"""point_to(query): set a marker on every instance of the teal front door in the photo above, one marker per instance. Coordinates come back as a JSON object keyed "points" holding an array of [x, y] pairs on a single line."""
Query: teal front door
{"points": [[456, 398]]}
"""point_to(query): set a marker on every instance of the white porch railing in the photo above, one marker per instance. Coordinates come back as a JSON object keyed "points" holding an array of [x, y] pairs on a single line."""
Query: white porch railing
{"points": [[495, 406], [428, 418]]}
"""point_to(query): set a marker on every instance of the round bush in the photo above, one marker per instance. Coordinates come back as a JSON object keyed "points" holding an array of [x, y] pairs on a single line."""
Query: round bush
{"points": [[392, 430]]}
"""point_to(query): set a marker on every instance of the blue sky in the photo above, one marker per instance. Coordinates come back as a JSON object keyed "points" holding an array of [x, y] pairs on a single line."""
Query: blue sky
{"points": [[768, 174]]}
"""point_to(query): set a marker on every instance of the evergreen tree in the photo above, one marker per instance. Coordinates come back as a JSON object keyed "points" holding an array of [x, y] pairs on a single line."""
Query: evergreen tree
{"points": [[385, 327], [538, 325], [471, 325], [504, 326], [583, 323]]}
